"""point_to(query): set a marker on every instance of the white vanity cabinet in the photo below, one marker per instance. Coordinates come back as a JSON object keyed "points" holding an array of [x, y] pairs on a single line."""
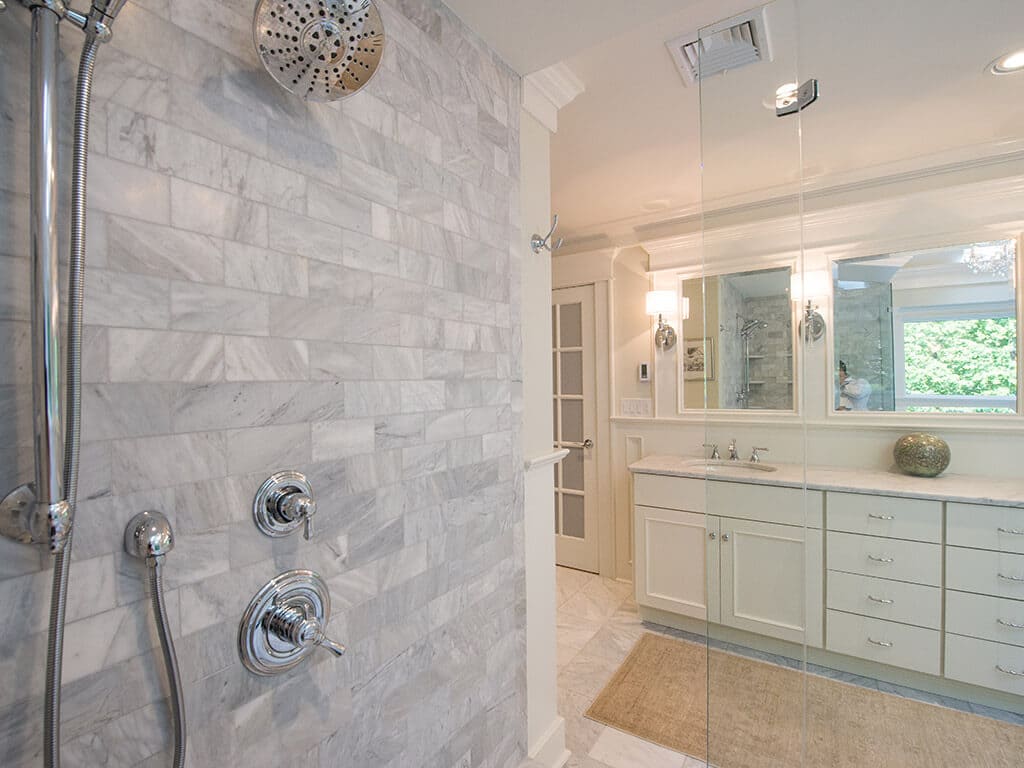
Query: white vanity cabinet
{"points": [[878, 583], [985, 596], [717, 552]]}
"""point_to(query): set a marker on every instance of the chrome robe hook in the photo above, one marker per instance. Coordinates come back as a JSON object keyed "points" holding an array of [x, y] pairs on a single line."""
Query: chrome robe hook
{"points": [[538, 243]]}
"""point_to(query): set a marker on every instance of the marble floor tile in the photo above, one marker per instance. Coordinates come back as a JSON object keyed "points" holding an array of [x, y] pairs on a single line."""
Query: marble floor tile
{"points": [[569, 581], [621, 750], [586, 674]]}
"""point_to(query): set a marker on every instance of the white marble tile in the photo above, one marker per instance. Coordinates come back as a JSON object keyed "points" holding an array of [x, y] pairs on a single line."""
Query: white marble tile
{"points": [[622, 750]]}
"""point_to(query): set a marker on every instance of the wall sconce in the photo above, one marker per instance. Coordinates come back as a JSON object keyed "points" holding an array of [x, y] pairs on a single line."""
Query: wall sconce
{"points": [[660, 304], [810, 285]]}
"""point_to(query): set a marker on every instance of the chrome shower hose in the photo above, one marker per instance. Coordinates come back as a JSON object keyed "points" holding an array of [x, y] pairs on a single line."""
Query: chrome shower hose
{"points": [[72, 440]]}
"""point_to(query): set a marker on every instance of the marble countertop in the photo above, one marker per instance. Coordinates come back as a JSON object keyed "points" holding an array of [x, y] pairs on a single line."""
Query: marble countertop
{"points": [[1006, 492]]}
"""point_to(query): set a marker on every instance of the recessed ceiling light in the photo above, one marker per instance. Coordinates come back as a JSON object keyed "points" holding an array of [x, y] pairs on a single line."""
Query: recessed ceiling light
{"points": [[1005, 65]]}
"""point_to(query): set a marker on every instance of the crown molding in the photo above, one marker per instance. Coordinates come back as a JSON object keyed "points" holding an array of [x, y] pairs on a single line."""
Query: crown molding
{"points": [[549, 90]]}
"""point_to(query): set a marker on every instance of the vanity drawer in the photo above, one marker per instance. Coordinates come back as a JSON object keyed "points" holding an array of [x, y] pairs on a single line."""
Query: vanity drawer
{"points": [[990, 618], [914, 519], [766, 503], [667, 492], [988, 573], [911, 561], [996, 528], [885, 599], [884, 641], [984, 663]]}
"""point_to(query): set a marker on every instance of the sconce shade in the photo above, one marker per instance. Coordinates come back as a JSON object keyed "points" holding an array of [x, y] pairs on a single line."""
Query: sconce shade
{"points": [[662, 303], [812, 284]]}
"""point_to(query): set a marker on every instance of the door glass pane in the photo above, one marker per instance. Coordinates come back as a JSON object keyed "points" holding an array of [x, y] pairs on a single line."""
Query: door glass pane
{"points": [[554, 414], [572, 470], [572, 516], [554, 326], [572, 373], [572, 421], [558, 528], [572, 325], [554, 372]]}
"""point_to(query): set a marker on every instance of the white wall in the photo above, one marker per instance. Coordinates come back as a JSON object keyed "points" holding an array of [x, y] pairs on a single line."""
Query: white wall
{"points": [[545, 729]]}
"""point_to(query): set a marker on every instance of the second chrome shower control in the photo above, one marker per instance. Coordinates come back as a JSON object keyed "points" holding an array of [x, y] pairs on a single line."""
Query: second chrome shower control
{"points": [[283, 503]]}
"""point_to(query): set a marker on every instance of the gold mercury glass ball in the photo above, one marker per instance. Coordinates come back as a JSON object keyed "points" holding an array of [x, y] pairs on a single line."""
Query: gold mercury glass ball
{"points": [[921, 454]]}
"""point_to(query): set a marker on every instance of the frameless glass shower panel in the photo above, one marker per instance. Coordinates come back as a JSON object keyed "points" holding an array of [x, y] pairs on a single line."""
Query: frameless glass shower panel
{"points": [[763, 560]]}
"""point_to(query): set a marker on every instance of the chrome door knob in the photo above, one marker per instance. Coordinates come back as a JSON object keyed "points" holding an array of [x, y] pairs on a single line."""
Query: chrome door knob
{"points": [[588, 443]]}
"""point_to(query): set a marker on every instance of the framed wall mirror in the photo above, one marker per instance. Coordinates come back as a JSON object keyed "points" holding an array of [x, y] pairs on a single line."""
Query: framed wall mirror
{"points": [[930, 331], [736, 346]]}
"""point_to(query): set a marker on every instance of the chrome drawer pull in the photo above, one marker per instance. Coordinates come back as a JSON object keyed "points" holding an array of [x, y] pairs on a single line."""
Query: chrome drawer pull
{"points": [[882, 600], [1004, 577], [883, 643], [1011, 531], [875, 559], [1008, 671], [1009, 624], [880, 517]]}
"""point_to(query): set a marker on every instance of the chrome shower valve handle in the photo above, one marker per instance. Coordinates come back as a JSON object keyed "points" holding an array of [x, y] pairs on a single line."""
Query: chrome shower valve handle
{"points": [[290, 623], [285, 623], [283, 503]]}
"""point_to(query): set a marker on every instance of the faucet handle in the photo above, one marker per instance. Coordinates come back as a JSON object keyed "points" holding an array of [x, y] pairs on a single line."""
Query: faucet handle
{"points": [[754, 457], [714, 450]]}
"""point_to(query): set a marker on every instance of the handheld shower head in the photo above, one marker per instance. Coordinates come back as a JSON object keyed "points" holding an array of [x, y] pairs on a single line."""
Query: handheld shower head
{"points": [[108, 8]]}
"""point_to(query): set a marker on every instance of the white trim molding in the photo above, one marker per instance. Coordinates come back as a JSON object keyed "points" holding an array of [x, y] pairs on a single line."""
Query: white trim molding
{"points": [[549, 90]]}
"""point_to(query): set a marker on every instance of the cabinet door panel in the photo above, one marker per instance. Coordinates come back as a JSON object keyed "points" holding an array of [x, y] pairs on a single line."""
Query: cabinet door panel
{"points": [[672, 549], [771, 579]]}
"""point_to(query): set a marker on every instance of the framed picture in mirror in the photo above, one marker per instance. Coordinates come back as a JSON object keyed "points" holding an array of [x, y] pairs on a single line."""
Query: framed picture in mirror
{"points": [[699, 359]]}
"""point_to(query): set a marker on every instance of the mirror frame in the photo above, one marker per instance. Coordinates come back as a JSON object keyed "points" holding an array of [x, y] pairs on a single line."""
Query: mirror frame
{"points": [[926, 420], [724, 270]]}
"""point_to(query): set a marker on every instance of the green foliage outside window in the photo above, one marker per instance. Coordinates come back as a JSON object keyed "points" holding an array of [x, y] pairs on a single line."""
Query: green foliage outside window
{"points": [[964, 358]]}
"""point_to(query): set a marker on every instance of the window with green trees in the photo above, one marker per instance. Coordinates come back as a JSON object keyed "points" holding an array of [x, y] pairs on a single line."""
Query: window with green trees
{"points": [[961, 365]]}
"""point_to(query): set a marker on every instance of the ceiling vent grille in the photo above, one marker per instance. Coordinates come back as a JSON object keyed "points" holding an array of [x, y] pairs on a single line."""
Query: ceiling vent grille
{"points": [[730, 44]]}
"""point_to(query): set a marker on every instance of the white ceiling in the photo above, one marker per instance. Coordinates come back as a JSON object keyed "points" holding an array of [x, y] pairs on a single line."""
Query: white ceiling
{"points": [[533, 34], [899, 81]]}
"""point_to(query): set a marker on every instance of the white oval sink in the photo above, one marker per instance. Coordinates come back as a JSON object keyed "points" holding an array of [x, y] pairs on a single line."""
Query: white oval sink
{"points": [[724, 467]]}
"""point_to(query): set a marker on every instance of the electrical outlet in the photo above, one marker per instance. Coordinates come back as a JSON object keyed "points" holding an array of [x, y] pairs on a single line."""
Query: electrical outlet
{"points": [[639, 407]]}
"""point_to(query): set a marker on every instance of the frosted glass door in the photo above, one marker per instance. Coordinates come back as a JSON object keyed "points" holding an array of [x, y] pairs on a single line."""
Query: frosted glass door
{"points": [[572, 349]]}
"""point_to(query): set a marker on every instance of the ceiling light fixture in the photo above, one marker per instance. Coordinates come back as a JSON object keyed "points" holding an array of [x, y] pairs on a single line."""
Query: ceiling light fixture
{"points": [[996, 259], [1008, 64]]}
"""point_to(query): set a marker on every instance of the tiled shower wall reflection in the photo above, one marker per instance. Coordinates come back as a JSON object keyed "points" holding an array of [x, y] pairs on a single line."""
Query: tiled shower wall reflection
{"points": [[272, 285]]}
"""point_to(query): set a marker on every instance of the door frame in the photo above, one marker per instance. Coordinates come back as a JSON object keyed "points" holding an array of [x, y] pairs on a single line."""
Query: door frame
{"points": [[605, 490]]}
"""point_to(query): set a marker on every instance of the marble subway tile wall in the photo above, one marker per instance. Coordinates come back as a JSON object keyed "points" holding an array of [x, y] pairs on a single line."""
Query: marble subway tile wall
{"points": [[273, 284]]}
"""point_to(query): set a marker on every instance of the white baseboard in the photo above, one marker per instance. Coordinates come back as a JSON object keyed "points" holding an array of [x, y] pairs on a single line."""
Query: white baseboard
{"points": [[549, 750]]}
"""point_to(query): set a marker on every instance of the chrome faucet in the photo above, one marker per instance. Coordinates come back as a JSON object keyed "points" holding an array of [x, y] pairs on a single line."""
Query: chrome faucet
{"points": [[733, 453], [715, 455], [754, 457]]}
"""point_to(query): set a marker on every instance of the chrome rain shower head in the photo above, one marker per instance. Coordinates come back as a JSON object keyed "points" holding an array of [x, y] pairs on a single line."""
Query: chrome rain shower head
{"points": [[752, 325], [321, 50]]}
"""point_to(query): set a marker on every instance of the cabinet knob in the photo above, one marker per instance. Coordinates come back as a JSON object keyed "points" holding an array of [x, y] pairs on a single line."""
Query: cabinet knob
{"points": [[725, 537], [712, 535]]}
